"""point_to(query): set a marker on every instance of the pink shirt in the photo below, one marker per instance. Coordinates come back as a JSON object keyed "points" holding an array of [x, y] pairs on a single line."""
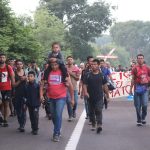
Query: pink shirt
{"points": [[56, 89]]}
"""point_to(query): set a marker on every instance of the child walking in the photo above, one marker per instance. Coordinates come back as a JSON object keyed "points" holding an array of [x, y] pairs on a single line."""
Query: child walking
{"points": [[33, 101]]}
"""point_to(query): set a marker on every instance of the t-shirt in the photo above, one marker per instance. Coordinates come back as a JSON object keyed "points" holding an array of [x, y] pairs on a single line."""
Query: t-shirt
{"points": [[56, 89], [106, 72], [75, 70], [5, 82], [94, 84], [142, 74]]}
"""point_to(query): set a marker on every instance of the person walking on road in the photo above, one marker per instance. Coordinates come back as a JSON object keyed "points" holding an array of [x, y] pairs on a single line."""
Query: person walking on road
{"points": [[20, 83], [140, 81], [94, 85], [7, 80], [56, 93], [33, 101], [74, 74]]}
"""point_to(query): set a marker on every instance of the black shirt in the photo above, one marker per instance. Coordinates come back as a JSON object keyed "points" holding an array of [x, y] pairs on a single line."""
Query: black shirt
{"points": [[94, 84]]}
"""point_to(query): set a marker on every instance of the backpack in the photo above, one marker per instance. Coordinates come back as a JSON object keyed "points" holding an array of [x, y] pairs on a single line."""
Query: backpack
{"points": [[88, 74], [142, 74]]}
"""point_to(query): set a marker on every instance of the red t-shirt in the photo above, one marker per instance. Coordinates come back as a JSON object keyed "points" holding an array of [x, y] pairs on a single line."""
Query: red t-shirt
{"points": [[56, 89], [5, 83], [142, 74]]}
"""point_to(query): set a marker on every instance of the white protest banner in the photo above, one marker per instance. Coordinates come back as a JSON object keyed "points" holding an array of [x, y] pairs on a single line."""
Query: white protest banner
{"points": [[123, 83]]}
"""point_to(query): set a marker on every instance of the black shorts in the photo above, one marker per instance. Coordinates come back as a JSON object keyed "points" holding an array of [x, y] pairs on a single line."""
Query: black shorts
{"points": [[6, 95]]}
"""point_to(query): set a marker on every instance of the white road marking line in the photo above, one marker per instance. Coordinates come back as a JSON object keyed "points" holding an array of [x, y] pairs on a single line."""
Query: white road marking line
{"points": [[75, 137]]}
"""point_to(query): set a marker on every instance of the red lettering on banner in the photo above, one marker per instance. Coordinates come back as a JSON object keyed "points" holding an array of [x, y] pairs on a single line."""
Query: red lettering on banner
{"points": [[119, 84], [128, 89], [117, 93], [126, 74], [123, 91], [120, 75]]}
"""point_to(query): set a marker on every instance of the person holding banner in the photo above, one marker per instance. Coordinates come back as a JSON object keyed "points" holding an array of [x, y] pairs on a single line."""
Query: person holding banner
{"points": [[140, 80]]}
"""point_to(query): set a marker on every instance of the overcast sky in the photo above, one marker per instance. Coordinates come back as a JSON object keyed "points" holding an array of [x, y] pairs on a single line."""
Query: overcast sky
{"points": [[127, 9]]}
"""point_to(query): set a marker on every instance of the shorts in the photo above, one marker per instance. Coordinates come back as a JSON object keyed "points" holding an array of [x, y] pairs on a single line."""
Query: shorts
{"points": [[6, 95]]}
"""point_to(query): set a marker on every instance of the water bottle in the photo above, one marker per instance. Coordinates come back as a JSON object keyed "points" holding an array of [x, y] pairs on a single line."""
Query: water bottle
{"points": [[130, 98]]}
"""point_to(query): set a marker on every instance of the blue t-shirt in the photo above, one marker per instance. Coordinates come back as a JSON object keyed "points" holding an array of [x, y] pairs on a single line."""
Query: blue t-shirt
{"points": [[106, 72]]}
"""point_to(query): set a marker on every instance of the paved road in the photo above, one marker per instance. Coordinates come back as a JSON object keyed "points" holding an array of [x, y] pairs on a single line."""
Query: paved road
{"points": [[119, 132]]}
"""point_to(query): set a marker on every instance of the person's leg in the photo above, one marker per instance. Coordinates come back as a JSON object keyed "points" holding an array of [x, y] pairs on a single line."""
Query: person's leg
{"points": [[92, 114], [59, 110], [137, 104], [86, 107], [105, 102], [34, 118], [21, 113], [69, 107], [98, 113], [11, 107], [76, 103], [144, 106], [53, 110], [57, 107]]}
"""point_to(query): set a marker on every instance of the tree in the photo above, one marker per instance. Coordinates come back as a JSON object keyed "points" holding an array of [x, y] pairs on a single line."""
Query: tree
{"points": [[47, 28], [63, 8], [83, 22], [134, 36], [6, 25]]}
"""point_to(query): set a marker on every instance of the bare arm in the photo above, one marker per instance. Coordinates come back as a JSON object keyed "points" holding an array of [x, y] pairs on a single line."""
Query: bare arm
{"points": [[85, 90], [106, 90], [12, 78], [75, 76], [132, 83], [71, 91], [42, 90]]}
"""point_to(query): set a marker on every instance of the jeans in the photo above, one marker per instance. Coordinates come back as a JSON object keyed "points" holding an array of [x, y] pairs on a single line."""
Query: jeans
{"points": [[69, 107], [21, 112], [34, 117], [57, 106], [68, 100], [140, 103]]}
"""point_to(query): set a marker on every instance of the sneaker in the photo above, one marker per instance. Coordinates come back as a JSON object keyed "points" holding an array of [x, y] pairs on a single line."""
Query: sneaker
{"points": [[49, 117], [70, 119], [1, 121], [143, 122], [86, 117], [139, 124], [21, 129], [93, 128], [74, 115], [90, 123], [99, 129], [34, 132], [5, 123], [55, 138], [11, 115]]}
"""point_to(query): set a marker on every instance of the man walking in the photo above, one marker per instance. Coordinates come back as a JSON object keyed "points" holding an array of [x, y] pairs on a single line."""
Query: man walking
{"points": [[6, 80], [74, 73], [94, 85], [140, 80]]}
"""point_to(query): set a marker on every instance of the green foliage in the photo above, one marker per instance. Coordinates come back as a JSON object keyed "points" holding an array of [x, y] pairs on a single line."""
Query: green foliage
{"points": [[82, 21], [134, 36], [47, 28]]}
